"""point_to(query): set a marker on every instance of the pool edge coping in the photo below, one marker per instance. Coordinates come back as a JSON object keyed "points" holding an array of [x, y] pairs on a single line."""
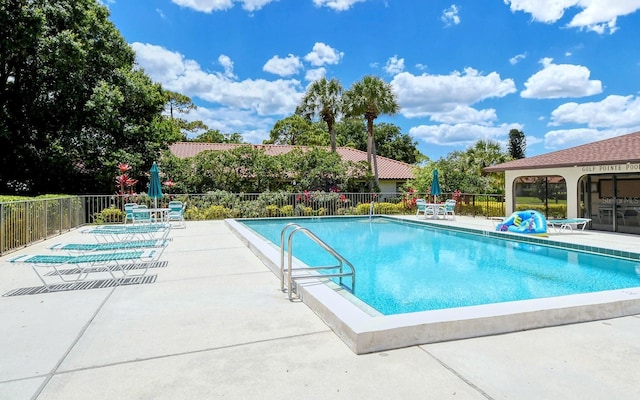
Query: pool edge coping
{"points": [[364, 333]]}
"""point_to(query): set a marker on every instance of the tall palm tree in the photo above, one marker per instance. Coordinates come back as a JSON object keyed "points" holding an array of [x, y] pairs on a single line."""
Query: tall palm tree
{"points": [[323, 99], [370, 97]]}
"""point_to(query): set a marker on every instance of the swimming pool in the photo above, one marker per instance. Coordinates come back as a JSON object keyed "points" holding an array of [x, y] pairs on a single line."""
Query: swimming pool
{"points": [[422, 252], [407, 267]]}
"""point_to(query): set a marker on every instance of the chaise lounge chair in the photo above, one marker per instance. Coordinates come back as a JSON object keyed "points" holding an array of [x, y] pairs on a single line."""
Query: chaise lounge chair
{"points": [[122, 233], [80, 266], [568, 224], [111, 246]]}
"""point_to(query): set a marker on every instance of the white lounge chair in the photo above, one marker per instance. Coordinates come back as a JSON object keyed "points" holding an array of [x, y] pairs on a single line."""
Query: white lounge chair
{"points": [[568, 224]]}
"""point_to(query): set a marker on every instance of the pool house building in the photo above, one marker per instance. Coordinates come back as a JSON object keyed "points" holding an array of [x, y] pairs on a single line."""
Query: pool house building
{"points": [[599, 180]]}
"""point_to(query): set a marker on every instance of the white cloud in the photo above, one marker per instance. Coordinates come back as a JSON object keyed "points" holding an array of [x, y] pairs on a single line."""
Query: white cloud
{"points": [[426, 95], [394, 65], [337, 5], [596, 15], [450, 15], [560, 80], [288, 66], [323, 54], [612, 112], [227, 64], [517, 58], [259, 96], [464, 114], [315, 74], [208, 6], [564, 138], [460, 134], [254, 129]]}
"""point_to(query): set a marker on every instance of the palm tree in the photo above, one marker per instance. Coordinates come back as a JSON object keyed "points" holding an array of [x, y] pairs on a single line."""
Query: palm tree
{"points": [[482, 154], [370, 97], [323, 99]]}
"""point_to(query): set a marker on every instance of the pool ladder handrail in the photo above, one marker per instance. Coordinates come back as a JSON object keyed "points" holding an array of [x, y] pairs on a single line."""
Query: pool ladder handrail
{"points": [[288, 272]]}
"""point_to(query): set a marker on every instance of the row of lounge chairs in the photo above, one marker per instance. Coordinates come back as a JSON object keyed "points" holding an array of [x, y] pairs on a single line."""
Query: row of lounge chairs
{"points": [[119, 251]]}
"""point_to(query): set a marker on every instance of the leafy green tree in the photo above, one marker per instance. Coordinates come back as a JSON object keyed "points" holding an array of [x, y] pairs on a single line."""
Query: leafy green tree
{"points": [[324, 99], [517, 144], [71, 100], [215, 136], [295, 130], [390, 142], [316, 169], [351, 132], [370, 98]]}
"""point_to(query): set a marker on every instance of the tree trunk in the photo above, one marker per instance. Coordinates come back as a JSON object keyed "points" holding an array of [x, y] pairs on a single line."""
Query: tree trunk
{"points": [[373, 166]]}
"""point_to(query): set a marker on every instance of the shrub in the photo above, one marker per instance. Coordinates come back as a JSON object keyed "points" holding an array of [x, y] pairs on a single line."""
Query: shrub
{"points": [[109, 216], [216, 212], [286, 211]]}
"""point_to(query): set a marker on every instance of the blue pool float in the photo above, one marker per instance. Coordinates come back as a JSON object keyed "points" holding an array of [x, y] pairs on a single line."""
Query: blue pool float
{"points": [[529, 222]]}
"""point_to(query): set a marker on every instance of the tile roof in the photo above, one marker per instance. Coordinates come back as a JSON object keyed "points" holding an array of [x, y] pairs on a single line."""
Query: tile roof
{"points": [[388, 169], [616, 150]]}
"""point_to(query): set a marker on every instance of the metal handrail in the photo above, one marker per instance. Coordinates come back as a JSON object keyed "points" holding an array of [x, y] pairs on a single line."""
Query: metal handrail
{"points": [[289, 271]]}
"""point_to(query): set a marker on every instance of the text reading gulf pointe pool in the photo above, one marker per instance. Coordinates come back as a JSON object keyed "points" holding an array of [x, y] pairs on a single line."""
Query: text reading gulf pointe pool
{"points": [[405, 267]]}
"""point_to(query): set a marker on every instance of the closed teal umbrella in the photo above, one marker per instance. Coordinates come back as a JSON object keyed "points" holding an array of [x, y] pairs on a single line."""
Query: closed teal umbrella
{"points": [[435, 186], [155, 187]]}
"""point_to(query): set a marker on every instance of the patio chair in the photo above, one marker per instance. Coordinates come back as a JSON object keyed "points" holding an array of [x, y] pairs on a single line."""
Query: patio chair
{"points": [[449, 208], [70, 268], [142, 215], [421, 206], [176, 214], [128, 210]]}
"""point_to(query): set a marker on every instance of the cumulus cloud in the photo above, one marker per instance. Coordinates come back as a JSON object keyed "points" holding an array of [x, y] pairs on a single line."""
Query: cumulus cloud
{"points": [[176, 73], [207, 6], [394, 65], [465, 114], [560, 80], [563, 138], [315, 74], [595, 15], [429, 95], [612, 112], [323, 54], [337, 5], [288, 66], [461, 134], [450, 15]]}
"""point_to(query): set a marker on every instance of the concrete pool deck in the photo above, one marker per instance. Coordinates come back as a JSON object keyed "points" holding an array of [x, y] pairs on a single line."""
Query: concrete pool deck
{"points": [[214, 324]]}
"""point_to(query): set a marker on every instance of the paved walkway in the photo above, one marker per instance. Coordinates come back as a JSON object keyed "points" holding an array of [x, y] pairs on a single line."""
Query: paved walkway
{"points": [[214, 325]]}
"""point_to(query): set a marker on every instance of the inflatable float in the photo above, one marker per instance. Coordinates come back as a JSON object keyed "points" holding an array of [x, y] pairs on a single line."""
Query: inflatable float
{"points": [[529, 222]]}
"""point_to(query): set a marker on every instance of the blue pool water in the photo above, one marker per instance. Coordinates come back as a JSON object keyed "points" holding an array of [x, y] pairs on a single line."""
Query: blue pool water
{"points": [[405, 267]]}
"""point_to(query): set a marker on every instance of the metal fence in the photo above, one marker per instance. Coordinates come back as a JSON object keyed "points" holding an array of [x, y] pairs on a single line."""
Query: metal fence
{"points": [[25, 222]]}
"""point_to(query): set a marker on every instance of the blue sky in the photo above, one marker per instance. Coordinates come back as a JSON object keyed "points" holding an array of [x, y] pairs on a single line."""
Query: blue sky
{"points": [[565, 72]]}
